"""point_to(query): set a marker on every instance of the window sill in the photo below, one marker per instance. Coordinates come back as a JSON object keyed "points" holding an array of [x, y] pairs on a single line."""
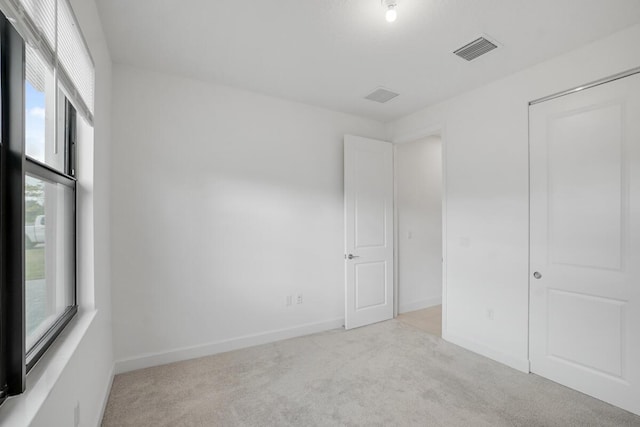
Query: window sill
{"points": [[20, 410]]}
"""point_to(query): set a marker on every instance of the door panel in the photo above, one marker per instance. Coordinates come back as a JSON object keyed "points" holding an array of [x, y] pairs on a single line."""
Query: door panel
{"points": [[370, 201], [585, 241], [368, 186], [585, 186], [570, 312], [370, 284]]}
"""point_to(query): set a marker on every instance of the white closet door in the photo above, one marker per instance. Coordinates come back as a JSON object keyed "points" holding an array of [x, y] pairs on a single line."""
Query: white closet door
{"points": [[585, 241]]}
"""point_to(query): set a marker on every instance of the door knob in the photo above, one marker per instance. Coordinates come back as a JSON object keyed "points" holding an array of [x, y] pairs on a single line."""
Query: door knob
{"points": [[537, 275], [352, 256]]}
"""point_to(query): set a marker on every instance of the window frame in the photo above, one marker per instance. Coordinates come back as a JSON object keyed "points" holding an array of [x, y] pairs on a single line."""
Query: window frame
{"points": [[44, 172], [15, 359], [12, 71]]}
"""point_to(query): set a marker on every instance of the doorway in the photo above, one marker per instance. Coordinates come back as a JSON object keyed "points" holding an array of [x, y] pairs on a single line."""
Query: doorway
{"points": [[419, 232]]}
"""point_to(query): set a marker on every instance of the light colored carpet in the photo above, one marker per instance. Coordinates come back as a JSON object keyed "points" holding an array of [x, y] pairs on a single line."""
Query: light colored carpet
{"points": [[387, 374], [427, 319]]}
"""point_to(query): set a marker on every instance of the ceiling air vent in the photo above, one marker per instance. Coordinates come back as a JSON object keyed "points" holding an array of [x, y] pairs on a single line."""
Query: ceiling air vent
{"points": [[381, 95], [475, 49]]}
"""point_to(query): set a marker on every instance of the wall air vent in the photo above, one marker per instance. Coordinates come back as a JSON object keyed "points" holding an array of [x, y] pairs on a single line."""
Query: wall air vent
{"points": [[476, 48], [381, 95]]}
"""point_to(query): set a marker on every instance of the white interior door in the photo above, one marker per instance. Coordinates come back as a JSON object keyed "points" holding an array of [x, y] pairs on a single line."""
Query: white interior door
{"points": [[368, 190], [585, 241]]}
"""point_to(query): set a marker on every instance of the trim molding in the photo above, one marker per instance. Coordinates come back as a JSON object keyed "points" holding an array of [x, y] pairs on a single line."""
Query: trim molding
{"points": [[105, 399], [185, 353], [433, 129], [521, 365], [419, 305], [22, 409]]}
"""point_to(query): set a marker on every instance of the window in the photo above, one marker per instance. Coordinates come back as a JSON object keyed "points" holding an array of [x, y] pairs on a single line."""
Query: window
{"points": [[39, 94], [37, 198], [49, 254], [49, 209]]}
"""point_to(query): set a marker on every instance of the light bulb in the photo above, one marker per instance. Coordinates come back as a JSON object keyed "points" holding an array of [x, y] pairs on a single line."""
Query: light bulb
{"points": [[391, 14]]}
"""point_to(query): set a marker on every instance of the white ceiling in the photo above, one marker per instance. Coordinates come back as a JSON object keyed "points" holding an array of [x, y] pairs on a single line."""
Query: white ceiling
{"points": [[332, 53]]}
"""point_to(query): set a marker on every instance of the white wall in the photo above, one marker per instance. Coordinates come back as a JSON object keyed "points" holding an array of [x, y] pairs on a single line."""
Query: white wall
{"points": [[78, 368], [224, 203], [419, 207], [486, 175]]}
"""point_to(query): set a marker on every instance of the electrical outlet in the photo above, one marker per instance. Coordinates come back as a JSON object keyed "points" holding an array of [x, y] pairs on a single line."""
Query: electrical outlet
{"points": [[289, 300], [299, 299], [490, 313], [76, 415]]}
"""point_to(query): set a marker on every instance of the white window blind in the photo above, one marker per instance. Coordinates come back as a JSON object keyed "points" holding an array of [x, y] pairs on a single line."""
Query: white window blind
{"points": [[43, 15], [50, 27], [34, 69], [73, 54]]}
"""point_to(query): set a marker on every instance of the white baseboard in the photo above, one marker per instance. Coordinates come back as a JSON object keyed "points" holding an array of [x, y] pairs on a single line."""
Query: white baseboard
{"points": [[105, 399], [419, 305], [176, 355], [521, 365]]}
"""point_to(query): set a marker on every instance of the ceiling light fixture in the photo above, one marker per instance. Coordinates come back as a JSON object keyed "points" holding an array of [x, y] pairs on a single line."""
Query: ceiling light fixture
{"points": [[390, 6]]}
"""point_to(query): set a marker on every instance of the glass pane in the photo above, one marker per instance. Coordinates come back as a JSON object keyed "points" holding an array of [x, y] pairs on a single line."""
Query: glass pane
{"points": [[40, 105], [49, 254]]}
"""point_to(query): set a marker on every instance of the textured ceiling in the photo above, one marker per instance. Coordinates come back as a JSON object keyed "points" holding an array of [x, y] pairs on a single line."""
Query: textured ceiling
{"points": [[332, 53]]}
